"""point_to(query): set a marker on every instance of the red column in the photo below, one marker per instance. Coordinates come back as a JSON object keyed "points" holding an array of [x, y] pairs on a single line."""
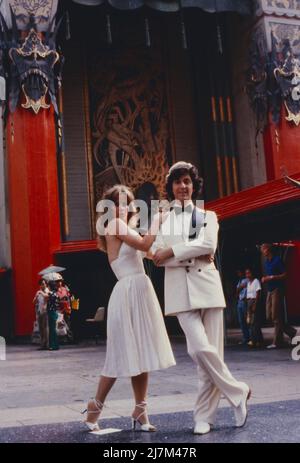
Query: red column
{"points": [[282, 148], [33, 205], [292, 282]]}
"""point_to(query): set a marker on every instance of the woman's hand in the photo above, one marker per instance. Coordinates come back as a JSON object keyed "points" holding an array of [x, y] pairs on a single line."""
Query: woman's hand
{"points": [[162, 255]]}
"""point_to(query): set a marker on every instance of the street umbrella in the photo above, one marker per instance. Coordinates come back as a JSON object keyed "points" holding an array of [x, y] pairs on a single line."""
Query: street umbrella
{"points": [[52, 276], [51, 269]]}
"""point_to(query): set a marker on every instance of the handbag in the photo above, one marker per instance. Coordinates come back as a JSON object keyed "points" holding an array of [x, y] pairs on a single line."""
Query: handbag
{"points": [[61, 326], [35, 336]]}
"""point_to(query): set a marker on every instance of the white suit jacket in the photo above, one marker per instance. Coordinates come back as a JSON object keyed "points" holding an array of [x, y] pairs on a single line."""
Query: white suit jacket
{"points": [[190, 283]]}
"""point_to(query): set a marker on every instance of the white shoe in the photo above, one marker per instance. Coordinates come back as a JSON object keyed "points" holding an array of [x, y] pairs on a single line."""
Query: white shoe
{"points": [[241, 411], [271, 346], [93, 425], [146, 427], [201, 427]]}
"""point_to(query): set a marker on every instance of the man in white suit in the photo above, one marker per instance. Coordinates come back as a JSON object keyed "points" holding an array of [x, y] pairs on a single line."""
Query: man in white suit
{"points": [[193, 292]]}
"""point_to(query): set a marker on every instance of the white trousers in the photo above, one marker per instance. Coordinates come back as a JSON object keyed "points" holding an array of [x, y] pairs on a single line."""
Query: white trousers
{"points": [[203, 329]]}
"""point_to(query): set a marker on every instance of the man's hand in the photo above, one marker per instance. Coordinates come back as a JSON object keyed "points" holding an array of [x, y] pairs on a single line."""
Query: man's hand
{"points": [[162, 255]]}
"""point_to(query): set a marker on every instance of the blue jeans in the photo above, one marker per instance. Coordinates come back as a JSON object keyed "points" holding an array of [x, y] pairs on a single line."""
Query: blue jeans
{"points": [[242, 313]]}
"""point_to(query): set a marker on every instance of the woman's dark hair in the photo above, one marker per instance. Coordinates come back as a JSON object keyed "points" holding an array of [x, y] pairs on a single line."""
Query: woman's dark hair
{"points": [[178, 170], [42, 280]]}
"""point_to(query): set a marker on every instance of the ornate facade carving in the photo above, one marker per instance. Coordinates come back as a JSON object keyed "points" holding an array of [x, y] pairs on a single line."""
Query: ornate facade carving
{"points": [[130, 122], [288, 8], [284, 29], [32, 65], [273, 76], [42, 10], [287, 75]]}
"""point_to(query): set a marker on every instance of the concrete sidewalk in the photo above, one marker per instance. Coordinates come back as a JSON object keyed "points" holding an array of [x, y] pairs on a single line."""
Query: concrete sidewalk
{"points": [[42, 387]]}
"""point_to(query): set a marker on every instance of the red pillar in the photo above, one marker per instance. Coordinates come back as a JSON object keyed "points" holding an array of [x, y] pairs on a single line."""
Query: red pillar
{"points": [[292, 282], [282, 148], [33, 205]]}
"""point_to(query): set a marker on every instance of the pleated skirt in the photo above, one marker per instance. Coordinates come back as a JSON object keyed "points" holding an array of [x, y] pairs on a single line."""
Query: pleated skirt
{"points": [[137, 340]]}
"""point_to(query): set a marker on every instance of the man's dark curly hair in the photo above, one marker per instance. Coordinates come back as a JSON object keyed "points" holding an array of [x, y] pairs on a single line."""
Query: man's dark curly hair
{"points": [[178, 170]]}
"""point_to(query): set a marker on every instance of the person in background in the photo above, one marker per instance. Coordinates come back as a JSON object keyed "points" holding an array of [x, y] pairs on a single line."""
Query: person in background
{"points": [[241, 293], [64, 295], [40, 301], [53, 306], [253, 312], [275, 276]]}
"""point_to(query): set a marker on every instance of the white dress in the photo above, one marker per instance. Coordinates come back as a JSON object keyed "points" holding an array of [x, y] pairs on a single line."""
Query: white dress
{"points": [[137, 339]]}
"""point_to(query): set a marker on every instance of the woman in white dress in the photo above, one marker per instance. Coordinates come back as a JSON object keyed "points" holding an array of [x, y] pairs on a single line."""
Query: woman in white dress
{"points": [[137, 340]]}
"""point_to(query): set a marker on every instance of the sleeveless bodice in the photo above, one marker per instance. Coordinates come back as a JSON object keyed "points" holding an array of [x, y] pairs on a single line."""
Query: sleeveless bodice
{"points": [[137, 340], [128, 263]]}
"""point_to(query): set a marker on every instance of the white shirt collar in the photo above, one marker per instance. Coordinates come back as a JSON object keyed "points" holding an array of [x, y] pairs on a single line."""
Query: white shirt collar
{"points": [[187, 207]]}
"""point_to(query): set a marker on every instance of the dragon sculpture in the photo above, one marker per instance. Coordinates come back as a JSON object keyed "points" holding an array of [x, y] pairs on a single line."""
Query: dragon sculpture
{"points": [[32, 65], [273, 79], [287, 75]]}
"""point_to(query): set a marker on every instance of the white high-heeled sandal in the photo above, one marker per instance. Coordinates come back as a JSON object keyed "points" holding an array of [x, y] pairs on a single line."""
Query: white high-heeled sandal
{"points": [[99, 405], [146, 427]]}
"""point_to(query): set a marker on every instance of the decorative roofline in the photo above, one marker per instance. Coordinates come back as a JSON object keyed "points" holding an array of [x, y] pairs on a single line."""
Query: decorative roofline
{"points": [[265, 8]]}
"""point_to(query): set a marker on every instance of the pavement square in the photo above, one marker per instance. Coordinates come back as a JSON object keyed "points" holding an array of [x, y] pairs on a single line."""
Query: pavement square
{"points": [[43, 393]]}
